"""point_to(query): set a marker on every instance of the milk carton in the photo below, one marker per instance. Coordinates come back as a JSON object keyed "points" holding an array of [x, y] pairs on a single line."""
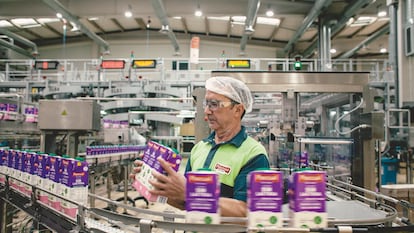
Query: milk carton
{"points": [[42, 181], [307, 199], [21, 161], [265, 199], [53, 186], [13, 163], [153, 151], [74, 181], [3, 165], [30, 172], [202, 197]]}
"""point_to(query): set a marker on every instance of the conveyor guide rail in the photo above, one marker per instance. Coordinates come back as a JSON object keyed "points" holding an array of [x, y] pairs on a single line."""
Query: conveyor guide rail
{"points": [[381, 217]]}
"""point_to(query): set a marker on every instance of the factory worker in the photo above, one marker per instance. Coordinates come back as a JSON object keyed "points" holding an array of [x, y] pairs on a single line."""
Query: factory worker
{"points": [[228, 150]]}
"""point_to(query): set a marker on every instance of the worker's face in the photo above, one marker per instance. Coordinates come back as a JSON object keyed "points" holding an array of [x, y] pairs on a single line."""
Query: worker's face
{"points": [[220, 111]]}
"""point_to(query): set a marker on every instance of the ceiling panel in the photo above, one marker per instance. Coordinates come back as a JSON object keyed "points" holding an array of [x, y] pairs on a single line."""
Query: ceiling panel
{"points": [[218, 15]]}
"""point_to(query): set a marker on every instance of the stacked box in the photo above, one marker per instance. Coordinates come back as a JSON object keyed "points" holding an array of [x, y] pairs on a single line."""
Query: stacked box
{"points": [[151, 153], [74, 181], [202, 197], [307, 199], [265, 199]]}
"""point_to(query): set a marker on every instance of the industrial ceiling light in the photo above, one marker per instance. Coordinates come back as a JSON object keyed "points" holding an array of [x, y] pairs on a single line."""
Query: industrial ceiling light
{"points": [[249, 30], [149, 22], [198, 11], [269, 12], [165, 29], [128, 12], [381, 11]]}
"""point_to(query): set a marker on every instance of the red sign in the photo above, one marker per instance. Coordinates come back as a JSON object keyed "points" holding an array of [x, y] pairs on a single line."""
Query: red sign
{"points": [[113, 64]]}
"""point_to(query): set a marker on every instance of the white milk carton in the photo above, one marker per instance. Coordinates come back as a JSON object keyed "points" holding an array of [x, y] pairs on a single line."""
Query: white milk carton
{"points": [[265, 199], [307, 199], [202, 197]]}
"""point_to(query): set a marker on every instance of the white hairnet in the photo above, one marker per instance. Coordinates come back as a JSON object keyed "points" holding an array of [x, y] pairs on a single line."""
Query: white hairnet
{"points": [[231, 88]]}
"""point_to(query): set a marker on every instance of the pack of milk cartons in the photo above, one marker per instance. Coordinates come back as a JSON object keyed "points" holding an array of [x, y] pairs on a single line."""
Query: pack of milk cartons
{"points": [[74, 184], [151, 153], [307, 199], [202, 197], [265, 199]]}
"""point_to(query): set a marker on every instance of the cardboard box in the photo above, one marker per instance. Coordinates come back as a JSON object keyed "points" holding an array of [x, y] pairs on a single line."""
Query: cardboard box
{"points": [[187, 129]]}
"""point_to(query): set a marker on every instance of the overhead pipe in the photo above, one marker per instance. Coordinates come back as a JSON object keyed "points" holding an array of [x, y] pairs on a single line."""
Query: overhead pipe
{"points": [[16, 48], [162, 16], [368, 40], [57, 6], [351, 10], [307, 22], [252, 9], [20, 39]]}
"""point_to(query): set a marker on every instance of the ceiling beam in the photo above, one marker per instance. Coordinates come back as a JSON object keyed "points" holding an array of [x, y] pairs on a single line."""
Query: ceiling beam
{"points": [[314, 13], [15, 48], [58, 7], [252, 9], [21, 39], [350, 11], [382, 31], [162, 16], [118, 24]]}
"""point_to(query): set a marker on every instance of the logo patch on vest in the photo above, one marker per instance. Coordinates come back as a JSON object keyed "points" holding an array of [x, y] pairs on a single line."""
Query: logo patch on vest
{"points": [[222, 169]]}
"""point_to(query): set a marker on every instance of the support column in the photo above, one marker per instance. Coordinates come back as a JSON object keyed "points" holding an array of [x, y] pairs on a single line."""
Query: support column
{"points": [[324, 44]]}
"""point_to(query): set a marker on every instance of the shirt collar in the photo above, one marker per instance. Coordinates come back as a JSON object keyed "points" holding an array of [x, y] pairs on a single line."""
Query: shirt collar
{"points": [[236, 140]]}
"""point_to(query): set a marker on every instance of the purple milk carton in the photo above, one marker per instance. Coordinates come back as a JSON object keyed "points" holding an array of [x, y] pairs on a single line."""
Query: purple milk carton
{"points": [[153, 151], [30, 172], [265, 198], [53, 186], [307, 199], [202, 197], [14, 173], [43, 168], [74, 184], [3, 165]]}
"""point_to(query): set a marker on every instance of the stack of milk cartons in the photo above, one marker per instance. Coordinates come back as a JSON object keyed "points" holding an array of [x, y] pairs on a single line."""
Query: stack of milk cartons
{"points": [[151, 153], [265, 199], [74, 184], [202, 197], [307, 199], [53, 183]]}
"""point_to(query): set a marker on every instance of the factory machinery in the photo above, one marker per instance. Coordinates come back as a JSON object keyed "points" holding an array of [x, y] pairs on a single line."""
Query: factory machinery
{"points": [[338, 118]]}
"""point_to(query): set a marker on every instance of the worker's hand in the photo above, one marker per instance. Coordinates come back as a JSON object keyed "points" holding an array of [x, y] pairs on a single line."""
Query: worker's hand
{"points": [[136, 169], [171, 185]]}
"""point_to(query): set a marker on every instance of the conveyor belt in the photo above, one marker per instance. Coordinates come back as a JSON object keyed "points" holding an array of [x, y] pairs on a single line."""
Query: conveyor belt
{"points": [[354, 214]]}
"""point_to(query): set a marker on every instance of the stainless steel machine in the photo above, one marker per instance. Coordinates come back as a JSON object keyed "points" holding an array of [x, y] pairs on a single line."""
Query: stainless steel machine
{"points": [[294, 105], [65, 121]]}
